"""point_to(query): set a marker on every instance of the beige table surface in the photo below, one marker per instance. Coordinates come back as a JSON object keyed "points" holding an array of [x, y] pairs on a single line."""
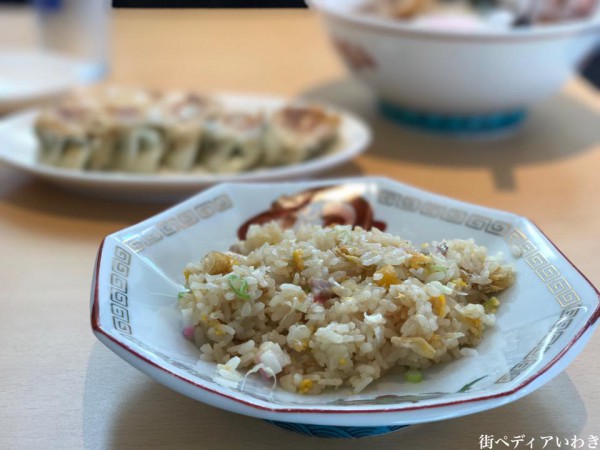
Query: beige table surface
{"points": [[60, 388]]}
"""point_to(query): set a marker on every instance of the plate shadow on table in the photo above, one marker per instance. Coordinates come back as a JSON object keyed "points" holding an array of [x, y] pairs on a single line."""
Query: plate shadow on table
{"points": [[123, 409], [27, 194], [574, 129]]}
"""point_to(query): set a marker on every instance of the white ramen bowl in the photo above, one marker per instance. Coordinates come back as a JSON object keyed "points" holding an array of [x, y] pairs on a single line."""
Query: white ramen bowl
{"points": [[456, 81]]}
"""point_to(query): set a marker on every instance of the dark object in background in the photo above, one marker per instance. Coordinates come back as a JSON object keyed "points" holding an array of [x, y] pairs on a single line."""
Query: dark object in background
{"points": [[591, 70], [209, 4]]}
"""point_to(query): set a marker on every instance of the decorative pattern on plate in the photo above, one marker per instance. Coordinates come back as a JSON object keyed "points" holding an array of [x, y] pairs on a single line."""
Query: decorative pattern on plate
{"points": [[185, 219], [437, 211], [547, 273], [328, 431], [537, 352], [121, 263], [355, 55]]}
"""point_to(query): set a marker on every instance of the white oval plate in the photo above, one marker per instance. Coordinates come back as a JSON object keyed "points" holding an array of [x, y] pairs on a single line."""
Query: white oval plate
{"points": [[18, 148]]}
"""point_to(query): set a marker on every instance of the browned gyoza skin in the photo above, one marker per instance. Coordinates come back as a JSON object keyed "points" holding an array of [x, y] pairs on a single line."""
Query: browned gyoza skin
{"points": [[133, 130]]}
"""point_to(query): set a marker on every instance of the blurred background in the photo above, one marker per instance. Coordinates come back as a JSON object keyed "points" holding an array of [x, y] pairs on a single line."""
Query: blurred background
{"points": [[81, 29], [468, 71], [209, 3], [493, 102]]}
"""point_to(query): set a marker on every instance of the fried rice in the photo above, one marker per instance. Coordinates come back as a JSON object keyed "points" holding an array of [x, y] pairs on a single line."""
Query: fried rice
{"points": [[318, 307]]}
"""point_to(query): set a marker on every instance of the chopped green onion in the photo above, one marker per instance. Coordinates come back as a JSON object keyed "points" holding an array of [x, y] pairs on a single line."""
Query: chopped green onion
{"points": [[413, 376], [239, 286], [490, 306], [182, 293], [437, 268]]}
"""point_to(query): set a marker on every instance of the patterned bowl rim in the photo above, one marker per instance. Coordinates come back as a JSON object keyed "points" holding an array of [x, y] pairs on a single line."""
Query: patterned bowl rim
{"points": [[591, 322]]}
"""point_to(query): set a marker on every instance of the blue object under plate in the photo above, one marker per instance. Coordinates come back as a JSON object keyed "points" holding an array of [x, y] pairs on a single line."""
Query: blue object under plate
{"points": [[327, 431], [451, 124]]}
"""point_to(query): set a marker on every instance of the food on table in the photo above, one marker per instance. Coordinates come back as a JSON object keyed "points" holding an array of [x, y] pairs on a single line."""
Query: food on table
{"points": [[480, 14], [234, 142], [133, 130], [74, 136], [298, 133], [185, 116], [138, 143], [321, 307], [400, 9]]}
